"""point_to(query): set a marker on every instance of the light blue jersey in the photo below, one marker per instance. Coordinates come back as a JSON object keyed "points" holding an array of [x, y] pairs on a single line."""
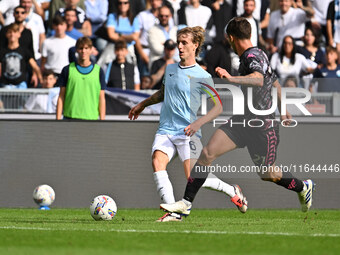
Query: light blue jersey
{"points": [[183, 87]]}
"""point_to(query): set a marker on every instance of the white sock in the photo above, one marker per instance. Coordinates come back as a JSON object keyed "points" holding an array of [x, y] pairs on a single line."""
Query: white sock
{"points": [[212, 182], [164, 186], [188, 203]]}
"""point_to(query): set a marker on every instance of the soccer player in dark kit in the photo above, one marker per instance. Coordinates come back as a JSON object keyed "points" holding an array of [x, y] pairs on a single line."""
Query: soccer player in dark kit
{"points": [[261, 141]]}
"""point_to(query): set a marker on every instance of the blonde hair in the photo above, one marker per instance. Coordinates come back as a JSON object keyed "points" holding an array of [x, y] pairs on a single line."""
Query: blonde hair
{"points": [[197, 34]]}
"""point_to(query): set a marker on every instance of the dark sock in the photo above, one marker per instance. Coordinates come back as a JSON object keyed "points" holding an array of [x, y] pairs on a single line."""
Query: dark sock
{"points": [[288, 181], [195, 182]]}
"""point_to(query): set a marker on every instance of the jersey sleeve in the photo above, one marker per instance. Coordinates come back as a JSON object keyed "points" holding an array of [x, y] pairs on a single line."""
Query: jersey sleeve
{"points": [[330, 11], [29, 55], [274, 61], [136, 76], [253, 64], [102, 79], [135, 25], [317, 73], [305, 63], [63, 77], [165, 75], [44, 49], [111, 21]]}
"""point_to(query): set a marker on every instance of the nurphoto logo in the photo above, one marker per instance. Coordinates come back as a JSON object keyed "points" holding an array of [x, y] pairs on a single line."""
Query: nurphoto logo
{"points": [[239, 104]]}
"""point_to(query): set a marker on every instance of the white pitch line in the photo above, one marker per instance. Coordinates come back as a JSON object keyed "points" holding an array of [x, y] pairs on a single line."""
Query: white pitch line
{"points": [[174, 231]]}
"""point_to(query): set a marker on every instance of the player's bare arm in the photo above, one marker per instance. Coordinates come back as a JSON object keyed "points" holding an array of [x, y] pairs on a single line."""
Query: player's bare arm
{"points": [[102, 105], [254, 79], [287, 117], [36, 70], [60, 103], [154, 99], [308, 8], [212, 114]]}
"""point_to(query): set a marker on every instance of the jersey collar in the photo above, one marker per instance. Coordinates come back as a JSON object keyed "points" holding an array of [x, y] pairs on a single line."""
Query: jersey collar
{"points": [[186, 67]]}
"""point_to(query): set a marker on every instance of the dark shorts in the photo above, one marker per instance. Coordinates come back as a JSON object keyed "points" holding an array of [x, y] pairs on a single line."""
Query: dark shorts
{"points": [[262, 143]]}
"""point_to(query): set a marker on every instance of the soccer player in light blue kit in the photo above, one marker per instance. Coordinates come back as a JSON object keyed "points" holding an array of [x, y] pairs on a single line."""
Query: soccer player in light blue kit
{"points": [[179, 127]]}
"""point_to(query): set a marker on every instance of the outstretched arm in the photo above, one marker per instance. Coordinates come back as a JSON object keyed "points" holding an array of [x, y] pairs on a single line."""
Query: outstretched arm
{"points": [[154, 99], [254, 79], [212, 114]]}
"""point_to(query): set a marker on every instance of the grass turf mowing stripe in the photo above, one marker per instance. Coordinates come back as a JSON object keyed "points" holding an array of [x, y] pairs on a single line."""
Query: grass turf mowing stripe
{"points": [[174, 231]]}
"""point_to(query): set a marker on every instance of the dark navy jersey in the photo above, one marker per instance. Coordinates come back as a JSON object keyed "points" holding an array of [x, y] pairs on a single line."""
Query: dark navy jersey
{"points": [[255, 60]]}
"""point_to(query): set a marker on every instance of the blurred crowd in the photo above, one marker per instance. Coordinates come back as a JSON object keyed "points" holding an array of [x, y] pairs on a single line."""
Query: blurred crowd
{"points": [[134, 40]]}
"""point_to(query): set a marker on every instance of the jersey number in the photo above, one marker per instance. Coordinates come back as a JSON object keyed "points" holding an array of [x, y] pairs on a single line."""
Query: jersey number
{"points": [[192, 145]]}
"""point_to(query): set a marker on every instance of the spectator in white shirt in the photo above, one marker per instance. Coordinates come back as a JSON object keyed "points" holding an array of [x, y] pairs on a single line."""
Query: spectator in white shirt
{"points": [[6, 11], [287, 21], [55, 49], [290, 63], [194, 14], [175, 4]]}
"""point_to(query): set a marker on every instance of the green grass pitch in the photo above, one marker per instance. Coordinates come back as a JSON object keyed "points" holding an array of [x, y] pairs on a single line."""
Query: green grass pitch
{"points": [[73, 231]]}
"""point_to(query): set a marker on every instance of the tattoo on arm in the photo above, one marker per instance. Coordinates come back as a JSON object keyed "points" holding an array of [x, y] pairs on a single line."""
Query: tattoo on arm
{"points": [[155, 98], [161, 93]]}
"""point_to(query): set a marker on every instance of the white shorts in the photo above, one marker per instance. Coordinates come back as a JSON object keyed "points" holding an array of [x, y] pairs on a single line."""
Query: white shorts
{"points": [[186, 147]]}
